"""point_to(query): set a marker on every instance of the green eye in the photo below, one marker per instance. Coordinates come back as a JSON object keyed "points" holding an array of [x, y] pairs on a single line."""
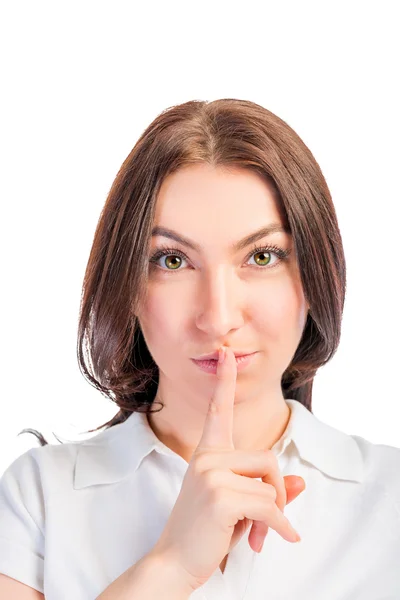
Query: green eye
{"points": [[174, 257], [175, 262], [269, 259]]}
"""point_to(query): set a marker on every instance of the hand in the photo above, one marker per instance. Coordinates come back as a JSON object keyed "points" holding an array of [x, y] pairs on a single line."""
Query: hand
{"points": [[220, 495]]}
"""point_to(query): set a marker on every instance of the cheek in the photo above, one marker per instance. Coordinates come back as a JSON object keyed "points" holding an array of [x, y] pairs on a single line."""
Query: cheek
{"points": [[159, 320], [281, 313]]}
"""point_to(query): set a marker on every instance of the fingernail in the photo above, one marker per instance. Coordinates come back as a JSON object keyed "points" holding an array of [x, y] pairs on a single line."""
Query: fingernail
{"points": [[297, 537], [261, 545]]}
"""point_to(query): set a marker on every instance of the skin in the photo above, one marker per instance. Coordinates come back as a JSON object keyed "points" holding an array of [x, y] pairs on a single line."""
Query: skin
{"points": [[216, 297]]}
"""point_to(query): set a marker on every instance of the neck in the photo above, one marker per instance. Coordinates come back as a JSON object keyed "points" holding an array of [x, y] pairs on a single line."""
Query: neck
{"points": [[257, 425]]}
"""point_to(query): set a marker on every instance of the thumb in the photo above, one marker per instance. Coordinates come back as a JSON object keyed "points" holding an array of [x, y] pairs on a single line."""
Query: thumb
{"points": [[294, 486]]}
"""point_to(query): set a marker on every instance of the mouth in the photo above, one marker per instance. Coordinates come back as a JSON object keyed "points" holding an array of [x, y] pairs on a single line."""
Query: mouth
{"points": [[214, 355], [210, 365]]}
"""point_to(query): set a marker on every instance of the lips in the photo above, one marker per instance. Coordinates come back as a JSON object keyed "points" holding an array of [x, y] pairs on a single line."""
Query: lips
{"points": [[214, 355], [211, 366]]}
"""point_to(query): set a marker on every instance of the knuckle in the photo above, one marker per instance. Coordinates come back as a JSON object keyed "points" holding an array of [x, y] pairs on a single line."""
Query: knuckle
{"points": [[226, 506], [217, 499], [271, 511], [282, 521], [201, 462], [270, 491], [212, 481], [271, 458]]}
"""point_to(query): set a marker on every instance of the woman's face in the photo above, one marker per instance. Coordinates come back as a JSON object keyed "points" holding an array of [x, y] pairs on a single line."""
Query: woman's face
{"points": [[250, 301]]}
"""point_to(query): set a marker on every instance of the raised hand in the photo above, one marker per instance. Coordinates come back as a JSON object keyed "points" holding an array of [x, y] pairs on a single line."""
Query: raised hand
{"points": [[220, 493]]}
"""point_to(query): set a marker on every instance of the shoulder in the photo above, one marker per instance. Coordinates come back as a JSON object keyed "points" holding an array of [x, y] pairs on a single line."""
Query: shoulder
{"points": [[38, 471], [28, 487], [381, 466], [43, 460]]}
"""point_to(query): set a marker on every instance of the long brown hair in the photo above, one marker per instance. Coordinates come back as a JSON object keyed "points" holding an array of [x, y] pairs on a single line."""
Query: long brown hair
{"points": [[225, 132]]}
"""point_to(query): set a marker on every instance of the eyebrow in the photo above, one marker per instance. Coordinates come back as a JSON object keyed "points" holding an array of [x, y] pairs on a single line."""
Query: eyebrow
{"points": [[236, 247]]}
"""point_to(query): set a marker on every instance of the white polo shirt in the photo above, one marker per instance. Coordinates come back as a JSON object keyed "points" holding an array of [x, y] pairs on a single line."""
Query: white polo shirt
{"points": [[75, 516]]}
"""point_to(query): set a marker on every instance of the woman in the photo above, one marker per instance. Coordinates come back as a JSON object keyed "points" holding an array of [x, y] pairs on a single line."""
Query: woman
{"points": [[219, 230]]}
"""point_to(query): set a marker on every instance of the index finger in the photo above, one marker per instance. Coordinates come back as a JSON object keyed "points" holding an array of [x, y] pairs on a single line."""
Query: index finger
{"points": [[218, 426]]}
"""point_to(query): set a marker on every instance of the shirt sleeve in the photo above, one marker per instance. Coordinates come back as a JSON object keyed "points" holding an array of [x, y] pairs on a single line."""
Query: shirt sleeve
{"points": [[22, 521]]}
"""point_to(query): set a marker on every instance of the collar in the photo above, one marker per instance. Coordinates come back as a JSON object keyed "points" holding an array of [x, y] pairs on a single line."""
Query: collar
{"points": [[117, 452]]}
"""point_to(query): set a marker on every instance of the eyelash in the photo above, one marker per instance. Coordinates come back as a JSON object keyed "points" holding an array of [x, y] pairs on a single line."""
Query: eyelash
{"points": [[166, 251]]}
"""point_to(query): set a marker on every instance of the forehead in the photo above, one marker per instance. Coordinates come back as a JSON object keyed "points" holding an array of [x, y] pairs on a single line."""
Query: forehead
{"points": [[224, 198]]}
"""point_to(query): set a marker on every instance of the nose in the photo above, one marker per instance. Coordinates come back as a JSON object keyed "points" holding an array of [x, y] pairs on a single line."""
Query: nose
{"points": [[219, 306]]}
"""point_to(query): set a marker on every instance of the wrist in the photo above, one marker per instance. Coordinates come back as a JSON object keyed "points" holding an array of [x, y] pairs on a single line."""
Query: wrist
{"points": [[168, 573]]}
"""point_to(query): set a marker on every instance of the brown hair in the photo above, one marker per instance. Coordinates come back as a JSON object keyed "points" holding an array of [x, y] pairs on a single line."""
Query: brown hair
{"points": [[225, 132]]}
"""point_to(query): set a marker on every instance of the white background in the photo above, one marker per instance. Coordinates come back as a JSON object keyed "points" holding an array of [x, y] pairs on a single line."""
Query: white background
{"points": [[82, 80]]}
